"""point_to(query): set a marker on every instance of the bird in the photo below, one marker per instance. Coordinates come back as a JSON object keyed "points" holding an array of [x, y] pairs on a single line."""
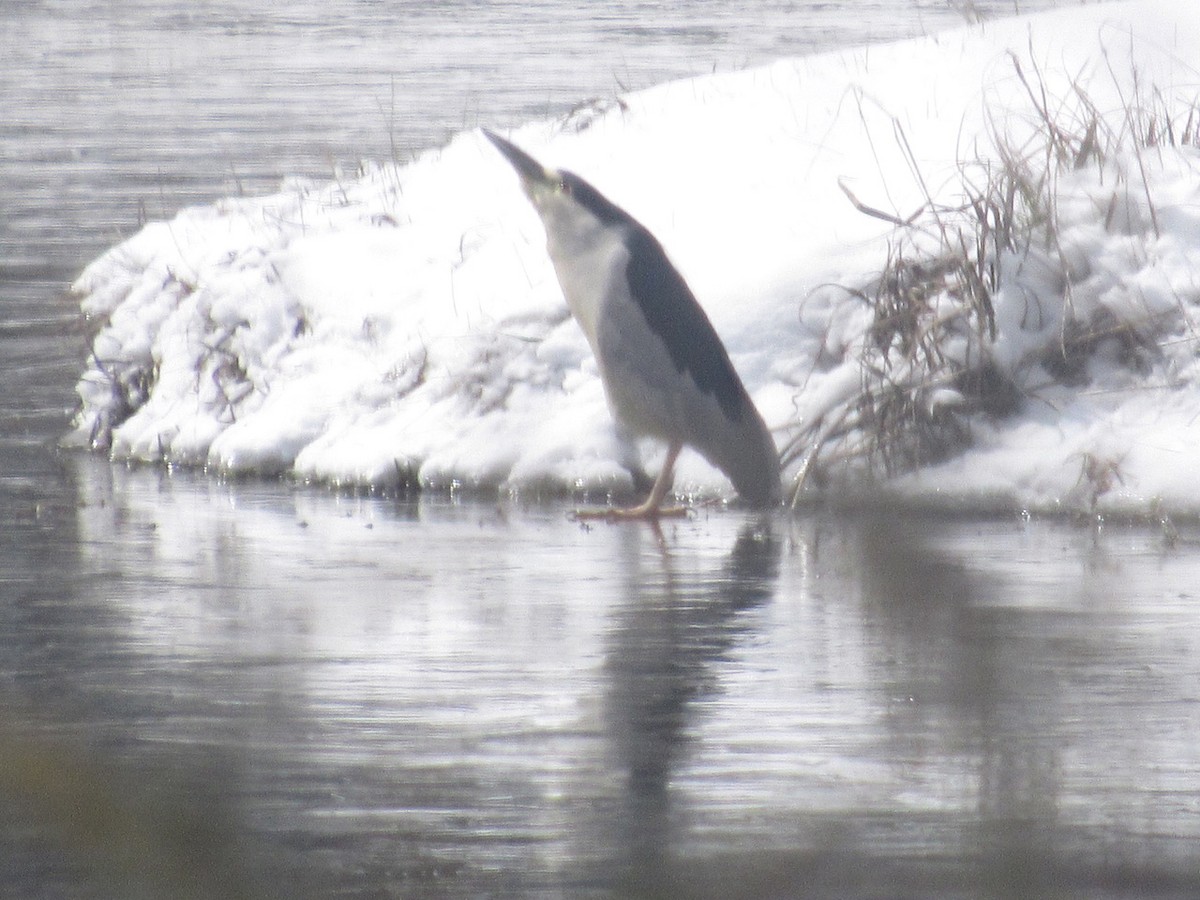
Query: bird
{"points": [[665, 372]]}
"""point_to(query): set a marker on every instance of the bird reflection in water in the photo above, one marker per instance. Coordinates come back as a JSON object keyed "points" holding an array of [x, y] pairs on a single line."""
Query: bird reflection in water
{"points": [[678, 623]]}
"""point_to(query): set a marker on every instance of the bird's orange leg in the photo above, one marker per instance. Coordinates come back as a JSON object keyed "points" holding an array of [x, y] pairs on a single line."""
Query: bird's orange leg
{"points": [[652, 509]]}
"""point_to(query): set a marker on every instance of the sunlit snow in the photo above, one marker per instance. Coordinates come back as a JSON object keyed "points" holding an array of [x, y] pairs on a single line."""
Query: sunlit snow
{"points": [[403, 323]]}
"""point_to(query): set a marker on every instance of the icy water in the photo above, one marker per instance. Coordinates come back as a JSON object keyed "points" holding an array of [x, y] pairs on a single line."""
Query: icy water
{"points": [[255, 689]]}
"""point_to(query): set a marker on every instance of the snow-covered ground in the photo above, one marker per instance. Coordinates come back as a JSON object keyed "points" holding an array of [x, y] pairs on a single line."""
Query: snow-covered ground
{"points": [[405, 323]]}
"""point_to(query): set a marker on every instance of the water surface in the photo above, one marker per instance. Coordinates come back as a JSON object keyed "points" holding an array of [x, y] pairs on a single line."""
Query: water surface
{"points": [[366, 697]]}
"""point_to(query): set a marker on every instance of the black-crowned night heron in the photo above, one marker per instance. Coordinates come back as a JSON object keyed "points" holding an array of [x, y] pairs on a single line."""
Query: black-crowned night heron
{"points": [[666, 374]]}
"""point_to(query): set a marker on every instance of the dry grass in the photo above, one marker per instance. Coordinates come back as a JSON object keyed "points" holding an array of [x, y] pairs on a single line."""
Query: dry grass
{"points": [[926, 367]]}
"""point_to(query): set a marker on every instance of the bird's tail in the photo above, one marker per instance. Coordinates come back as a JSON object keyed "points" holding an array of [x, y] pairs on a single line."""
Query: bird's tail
{"points": [[751, 462]]}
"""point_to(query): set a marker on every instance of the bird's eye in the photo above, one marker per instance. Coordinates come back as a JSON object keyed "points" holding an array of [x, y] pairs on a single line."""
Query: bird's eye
{"points": [[564, 187]]}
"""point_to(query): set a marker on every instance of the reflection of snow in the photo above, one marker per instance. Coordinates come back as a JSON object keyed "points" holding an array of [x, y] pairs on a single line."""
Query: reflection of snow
{"points": [[487, 679]]}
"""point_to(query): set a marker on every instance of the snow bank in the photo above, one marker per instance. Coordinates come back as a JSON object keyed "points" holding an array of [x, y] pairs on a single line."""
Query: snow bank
{"points": [[405, 324]]}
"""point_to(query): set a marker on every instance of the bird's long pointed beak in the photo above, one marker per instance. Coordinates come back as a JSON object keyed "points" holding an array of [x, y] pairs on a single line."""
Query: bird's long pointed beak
{"points": [[531, 171]]}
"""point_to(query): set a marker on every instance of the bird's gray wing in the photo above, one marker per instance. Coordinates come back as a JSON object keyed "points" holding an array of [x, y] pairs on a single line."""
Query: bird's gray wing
{"points": [[673, 313]]}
